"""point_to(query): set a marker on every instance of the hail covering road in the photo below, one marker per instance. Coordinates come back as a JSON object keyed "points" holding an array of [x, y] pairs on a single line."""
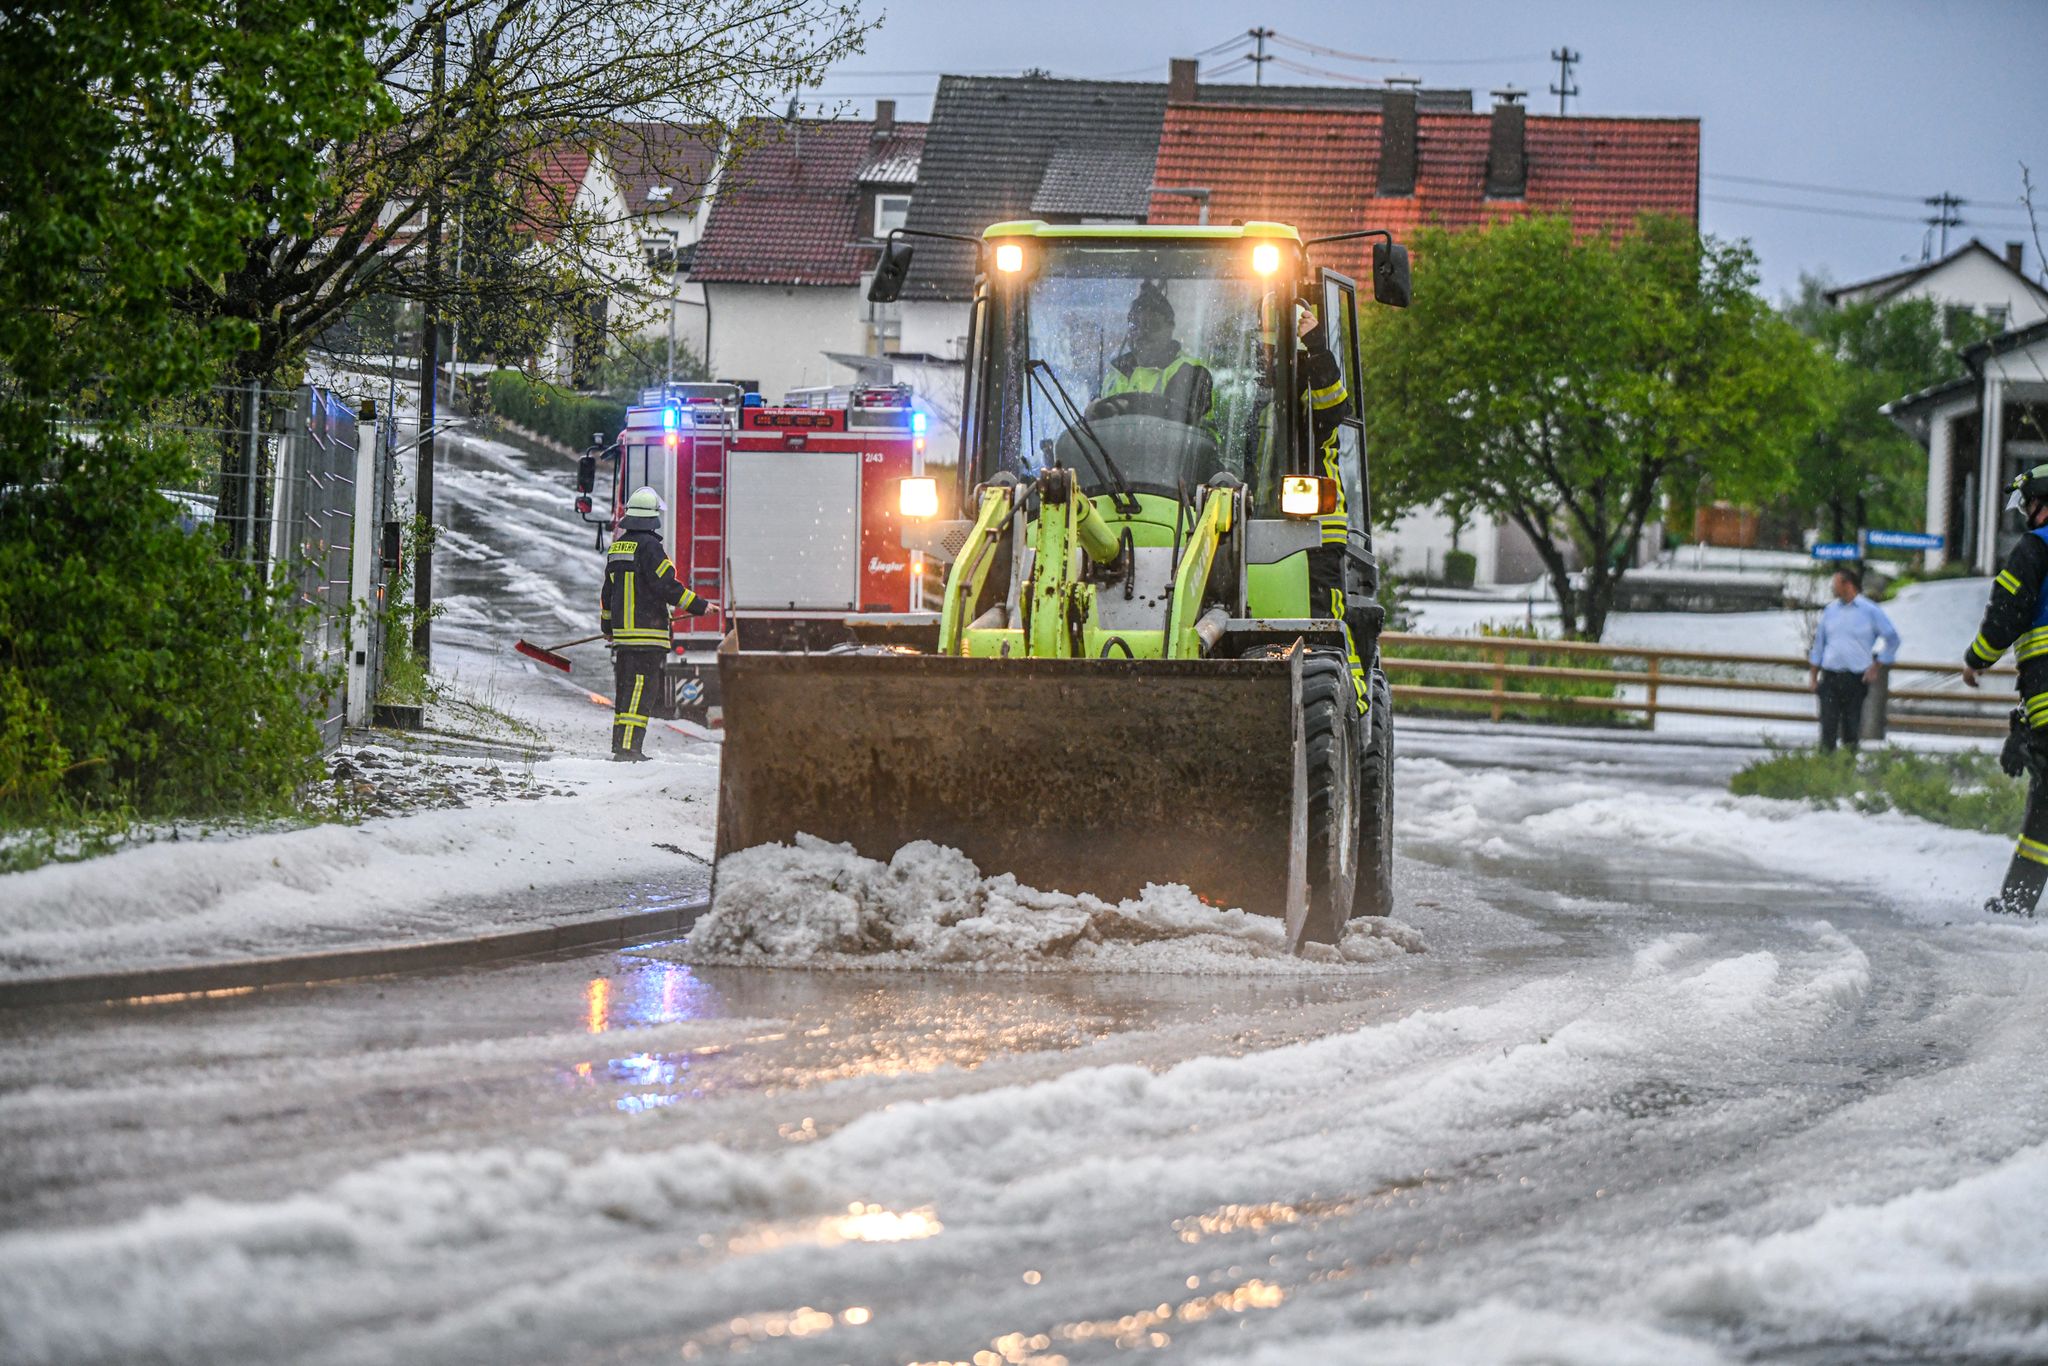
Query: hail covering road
{"points": [[1648, 1095]]}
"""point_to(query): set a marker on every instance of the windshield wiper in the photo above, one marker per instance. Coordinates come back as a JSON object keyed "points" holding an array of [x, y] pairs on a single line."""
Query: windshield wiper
{"points": [[1076, 422]]}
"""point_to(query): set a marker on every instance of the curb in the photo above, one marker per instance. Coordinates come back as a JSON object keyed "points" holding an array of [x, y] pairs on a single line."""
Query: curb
{"points": [[339, 965]]}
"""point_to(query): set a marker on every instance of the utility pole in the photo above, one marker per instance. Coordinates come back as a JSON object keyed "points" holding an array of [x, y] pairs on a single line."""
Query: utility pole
{"points": [[1566, 59], [430, 364], [1259, 58], [1945, 206]]}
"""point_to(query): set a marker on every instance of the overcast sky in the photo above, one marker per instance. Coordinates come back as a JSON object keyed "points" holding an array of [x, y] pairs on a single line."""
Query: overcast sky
{"points": [[1887, 100]]}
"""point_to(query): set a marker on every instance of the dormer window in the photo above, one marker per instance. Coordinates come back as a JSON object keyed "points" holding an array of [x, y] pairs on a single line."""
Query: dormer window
{"points": [[659, 194], [891, 210]]}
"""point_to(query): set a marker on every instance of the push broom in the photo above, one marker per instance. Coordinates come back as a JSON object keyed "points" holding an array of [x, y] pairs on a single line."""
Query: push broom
{"points": [[550, 654]]}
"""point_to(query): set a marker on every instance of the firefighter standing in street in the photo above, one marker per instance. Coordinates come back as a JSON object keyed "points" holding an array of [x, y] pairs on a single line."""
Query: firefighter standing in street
{"points": [[640, 590], [2017, 619]]}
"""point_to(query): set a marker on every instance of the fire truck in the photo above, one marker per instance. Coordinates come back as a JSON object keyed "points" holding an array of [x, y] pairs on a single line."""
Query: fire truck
{"points": [[790, 517]]}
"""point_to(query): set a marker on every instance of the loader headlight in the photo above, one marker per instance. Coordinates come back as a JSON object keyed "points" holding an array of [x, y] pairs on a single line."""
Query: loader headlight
{"points": [[1265, 258], [1009, 258], [918, 497], [1304, 495]]}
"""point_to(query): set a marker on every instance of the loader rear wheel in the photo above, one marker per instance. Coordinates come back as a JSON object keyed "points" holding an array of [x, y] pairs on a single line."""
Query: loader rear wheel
{"points": [[1330, 733], [1375, 882]]}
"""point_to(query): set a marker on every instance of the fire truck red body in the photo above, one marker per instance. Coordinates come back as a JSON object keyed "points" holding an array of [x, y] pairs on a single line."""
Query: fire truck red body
{"points": [[786, 516]]}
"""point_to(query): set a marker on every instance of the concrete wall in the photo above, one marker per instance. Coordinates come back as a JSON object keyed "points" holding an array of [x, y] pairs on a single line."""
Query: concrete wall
{"points": [[777, 334]]}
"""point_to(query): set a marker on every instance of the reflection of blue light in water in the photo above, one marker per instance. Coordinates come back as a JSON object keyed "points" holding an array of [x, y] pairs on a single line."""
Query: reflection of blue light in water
{"points": [[641, 1104], [649, 1069], [661, 993]]}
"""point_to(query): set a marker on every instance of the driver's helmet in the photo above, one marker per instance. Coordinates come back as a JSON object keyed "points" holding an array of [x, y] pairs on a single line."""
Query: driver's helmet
{"points": [[1151, 300]]}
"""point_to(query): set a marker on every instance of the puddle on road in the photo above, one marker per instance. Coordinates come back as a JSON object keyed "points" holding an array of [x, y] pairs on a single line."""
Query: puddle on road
{"points": [[886, 1024]]}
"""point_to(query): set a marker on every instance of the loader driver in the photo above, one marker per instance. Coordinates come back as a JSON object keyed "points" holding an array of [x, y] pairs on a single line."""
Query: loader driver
{"points": [[1153, 362], [640, 588]]}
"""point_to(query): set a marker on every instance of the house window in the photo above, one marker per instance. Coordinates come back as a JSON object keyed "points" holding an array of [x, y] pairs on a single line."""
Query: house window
{"points": [[890, 211]]}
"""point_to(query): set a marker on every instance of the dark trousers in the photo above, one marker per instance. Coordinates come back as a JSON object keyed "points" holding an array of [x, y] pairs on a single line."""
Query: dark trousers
{"points": [[636, 674], [1841, 708], [2028, 871]]}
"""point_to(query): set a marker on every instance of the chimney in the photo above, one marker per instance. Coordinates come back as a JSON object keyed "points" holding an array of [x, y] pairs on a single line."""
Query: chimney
{"points": [[1180, 81], [885, 116], [1397, 143], [1507, 162], [2015, 253]]}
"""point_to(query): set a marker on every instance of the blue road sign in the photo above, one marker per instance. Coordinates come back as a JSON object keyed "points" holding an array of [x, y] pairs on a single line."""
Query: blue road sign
{"points": [[1836, 550], [1903, 540]]}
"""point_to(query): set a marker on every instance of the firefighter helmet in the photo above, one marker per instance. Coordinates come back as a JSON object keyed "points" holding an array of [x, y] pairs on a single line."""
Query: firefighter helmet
{"points": [[2026, 486], [645, 506]]}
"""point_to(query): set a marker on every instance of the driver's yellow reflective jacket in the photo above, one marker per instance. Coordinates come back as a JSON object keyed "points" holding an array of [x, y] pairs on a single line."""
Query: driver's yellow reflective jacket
{"points": [[1154, 379]]}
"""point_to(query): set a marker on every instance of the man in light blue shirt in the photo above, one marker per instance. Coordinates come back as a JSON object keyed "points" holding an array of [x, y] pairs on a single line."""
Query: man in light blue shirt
{"points": [[1854, 641]]}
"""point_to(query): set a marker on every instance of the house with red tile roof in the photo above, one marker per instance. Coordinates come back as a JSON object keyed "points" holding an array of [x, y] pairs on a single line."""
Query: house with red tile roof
{"points": [[791, 241], [1402, 167]]}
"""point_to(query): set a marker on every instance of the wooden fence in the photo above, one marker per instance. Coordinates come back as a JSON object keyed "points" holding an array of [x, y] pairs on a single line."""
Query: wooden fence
{"points": [[1642, 680]]}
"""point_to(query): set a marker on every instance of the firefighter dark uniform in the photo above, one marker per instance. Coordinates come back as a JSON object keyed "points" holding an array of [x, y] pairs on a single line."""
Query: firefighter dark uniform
{"points": [[640, 590], [2017, 619], [1329, 402]]}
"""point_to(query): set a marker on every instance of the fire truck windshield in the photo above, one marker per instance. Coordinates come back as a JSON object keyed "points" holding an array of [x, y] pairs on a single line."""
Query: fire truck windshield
{"points": [[1152, 361]]}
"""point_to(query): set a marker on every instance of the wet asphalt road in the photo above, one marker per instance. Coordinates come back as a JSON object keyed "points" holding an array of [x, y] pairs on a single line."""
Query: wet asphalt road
{"points": [[1616, 1064]]}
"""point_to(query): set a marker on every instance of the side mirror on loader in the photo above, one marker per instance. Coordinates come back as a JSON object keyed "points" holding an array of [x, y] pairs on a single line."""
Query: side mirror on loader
{"points": [[1390, 283], [890, 273], [586, 472]]}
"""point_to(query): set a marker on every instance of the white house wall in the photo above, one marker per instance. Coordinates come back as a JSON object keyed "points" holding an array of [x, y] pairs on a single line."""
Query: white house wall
{"points": [[1977, 281], [776, 335]]}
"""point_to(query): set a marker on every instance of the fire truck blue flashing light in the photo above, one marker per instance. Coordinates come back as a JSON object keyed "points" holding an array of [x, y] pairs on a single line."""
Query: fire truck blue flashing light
{"points": [[668, 417], [917, 423]]}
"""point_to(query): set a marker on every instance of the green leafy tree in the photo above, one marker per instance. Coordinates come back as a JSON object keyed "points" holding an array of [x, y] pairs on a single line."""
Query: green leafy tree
{"points": [[1856, 469], [1566, 383], [139, 669], [494, 107]]}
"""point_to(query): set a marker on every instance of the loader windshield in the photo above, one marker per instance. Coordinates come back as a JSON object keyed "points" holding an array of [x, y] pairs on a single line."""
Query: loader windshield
{"points": [[1149, 359]]}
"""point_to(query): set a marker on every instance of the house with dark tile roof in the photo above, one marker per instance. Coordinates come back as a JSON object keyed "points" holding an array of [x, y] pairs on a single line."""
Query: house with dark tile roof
{"points": [[792, 238]]}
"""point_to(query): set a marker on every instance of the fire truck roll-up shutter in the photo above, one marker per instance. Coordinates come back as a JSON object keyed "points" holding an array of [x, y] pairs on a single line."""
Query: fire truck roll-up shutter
{"points": [[793, 530]]}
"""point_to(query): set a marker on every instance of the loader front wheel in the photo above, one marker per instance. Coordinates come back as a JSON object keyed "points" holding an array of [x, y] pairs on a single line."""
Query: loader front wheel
{"points": [[1330, 733]]}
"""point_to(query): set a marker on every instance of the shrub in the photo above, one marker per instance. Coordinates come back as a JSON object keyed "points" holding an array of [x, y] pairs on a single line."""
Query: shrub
{"points": [[139, 669], [552, 411], [1461, 568], [1964, 789]]}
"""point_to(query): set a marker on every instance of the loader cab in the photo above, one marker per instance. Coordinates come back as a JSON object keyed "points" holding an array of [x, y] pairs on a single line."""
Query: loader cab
{"points": [[1160, 356]]}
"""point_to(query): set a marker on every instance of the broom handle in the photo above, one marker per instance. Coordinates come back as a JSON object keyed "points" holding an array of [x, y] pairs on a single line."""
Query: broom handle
{"points": [[585, 641]]}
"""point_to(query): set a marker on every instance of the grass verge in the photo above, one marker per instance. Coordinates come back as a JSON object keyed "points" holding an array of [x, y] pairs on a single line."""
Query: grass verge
{"points": [[1964, 789]]}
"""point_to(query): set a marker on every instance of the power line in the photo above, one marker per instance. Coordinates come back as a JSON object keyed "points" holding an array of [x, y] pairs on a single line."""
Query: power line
{"points": [[1817, 189], [1303, 68], [1827, 211], [1320, 50]]}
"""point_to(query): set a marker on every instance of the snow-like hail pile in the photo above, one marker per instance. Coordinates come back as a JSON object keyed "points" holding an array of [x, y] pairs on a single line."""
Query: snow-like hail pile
{"points": [[821, 904]]}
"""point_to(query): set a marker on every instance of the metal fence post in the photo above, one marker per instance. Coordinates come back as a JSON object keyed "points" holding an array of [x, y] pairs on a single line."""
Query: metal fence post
{"points": [[362, 677], [1876, 702]]}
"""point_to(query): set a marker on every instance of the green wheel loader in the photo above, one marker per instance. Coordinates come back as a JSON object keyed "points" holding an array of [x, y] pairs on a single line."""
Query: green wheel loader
{"points": [[1156, 658]]}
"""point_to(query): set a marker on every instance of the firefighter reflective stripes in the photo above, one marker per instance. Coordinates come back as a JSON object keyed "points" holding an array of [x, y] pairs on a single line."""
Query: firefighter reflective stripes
{"points": [[2008, 581], [1982, 653], [2032, 645], [2036, 708], [1336, 526], [1329, 396], [2032, 850]]}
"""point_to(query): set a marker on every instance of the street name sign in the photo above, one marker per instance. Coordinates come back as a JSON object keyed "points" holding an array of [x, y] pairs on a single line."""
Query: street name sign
{"points": [[1836, 550], [1903, 540]]}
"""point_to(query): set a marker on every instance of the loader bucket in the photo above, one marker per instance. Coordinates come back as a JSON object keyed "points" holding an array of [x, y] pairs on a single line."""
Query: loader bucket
{"points": [[1075, 775]]}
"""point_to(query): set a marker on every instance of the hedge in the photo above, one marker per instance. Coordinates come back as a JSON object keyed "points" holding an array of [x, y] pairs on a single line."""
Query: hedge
{"points": [[561, 414]]}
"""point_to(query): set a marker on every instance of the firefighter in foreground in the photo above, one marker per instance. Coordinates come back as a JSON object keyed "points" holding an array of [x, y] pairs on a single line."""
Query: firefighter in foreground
{"points": [[640, 591], [2017, 619]]}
